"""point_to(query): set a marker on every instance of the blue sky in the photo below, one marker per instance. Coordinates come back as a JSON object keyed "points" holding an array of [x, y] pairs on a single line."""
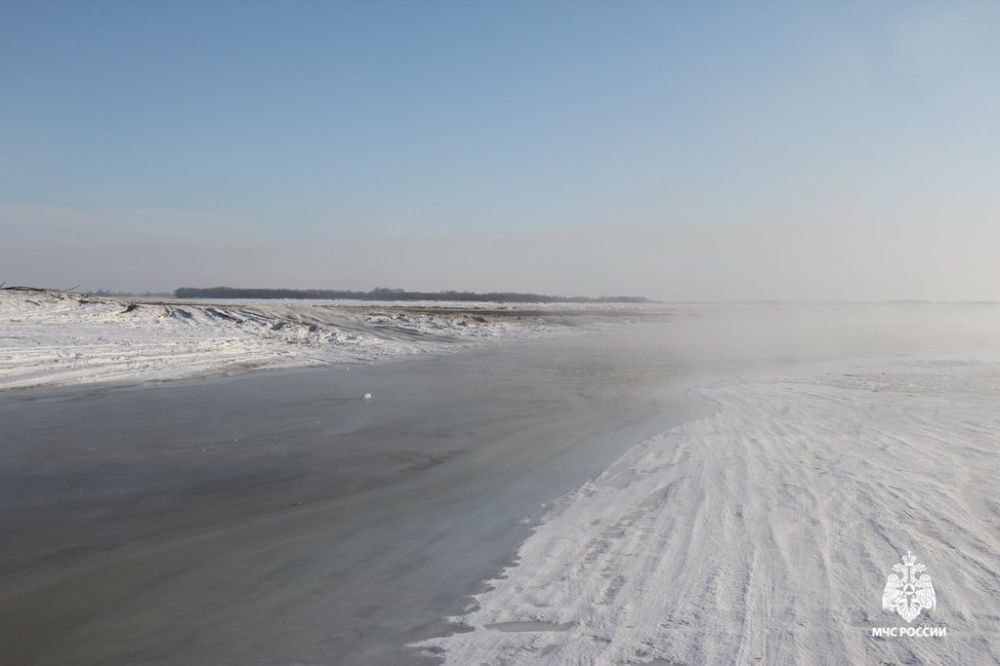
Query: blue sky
{"points": [[680, 150]]}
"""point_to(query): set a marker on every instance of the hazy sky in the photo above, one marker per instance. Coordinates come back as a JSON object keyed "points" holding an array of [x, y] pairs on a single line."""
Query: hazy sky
{"points": [[678, 150]]}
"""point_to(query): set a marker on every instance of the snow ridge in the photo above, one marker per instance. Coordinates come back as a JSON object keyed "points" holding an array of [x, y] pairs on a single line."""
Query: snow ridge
{"points": [[54, 338]]}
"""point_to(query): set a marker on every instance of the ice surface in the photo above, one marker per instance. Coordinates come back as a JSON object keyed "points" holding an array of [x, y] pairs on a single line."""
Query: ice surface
{"points": [[764, 533]]}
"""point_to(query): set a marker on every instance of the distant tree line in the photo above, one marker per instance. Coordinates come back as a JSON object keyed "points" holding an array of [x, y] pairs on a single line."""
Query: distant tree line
{"points": [[383, 294], [110, 293]]}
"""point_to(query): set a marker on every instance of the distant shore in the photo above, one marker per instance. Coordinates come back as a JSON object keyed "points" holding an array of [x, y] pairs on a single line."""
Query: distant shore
{"points": [[54, 338], [382, 294]]}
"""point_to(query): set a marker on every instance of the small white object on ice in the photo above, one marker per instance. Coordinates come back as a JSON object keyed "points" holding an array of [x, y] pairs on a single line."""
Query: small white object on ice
{"points": [[366, 396]]}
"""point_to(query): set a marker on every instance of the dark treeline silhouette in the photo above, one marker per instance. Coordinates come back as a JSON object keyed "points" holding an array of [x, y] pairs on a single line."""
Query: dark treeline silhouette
{"points": [[383, 294]]}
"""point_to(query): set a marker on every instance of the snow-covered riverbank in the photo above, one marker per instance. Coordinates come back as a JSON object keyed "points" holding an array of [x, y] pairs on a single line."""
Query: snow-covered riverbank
{"points": [[57, 338], [765, 533]]}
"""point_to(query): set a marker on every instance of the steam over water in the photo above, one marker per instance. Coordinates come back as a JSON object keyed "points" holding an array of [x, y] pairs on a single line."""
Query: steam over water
{"points": [[769, 461]]}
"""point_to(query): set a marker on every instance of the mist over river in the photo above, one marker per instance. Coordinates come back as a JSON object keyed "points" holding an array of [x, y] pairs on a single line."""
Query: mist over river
{"points": [[278, 518]]}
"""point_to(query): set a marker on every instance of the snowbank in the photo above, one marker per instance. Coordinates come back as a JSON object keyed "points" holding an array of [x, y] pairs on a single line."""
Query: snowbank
{"points": [[52, 338]]}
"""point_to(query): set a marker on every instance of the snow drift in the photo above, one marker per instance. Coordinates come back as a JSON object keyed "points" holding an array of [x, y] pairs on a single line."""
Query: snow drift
{"points": [[52, 338]]}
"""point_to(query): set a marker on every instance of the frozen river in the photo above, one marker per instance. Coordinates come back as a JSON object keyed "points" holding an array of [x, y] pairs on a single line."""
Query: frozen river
{"points": [[278, 518]]}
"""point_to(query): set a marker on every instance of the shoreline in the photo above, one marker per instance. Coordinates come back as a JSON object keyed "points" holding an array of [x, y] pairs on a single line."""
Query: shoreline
{"points": [[50, 338]]}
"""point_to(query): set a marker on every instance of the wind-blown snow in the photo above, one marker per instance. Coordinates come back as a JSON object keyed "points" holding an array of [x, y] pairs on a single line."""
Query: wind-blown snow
{"points": [[764, 534], [50, 338]]}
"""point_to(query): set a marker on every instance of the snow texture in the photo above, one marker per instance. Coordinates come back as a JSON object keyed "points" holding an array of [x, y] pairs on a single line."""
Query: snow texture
{"points": [[764, 534]]}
